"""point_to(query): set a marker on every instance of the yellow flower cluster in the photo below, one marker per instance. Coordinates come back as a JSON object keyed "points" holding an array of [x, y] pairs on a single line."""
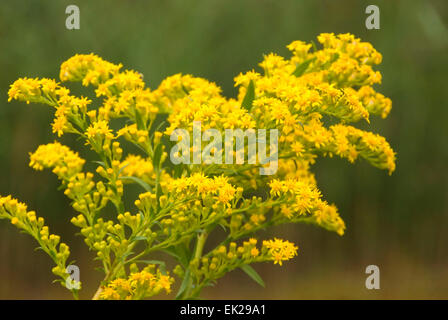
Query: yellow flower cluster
{"points": [[138, 285], [64, 162], [294, 95], [302, 202], [69, 108], [349, 142], [214, 112], [219, 187], [313, 98], [178, 86], [34, 90], [225, 259], [88, 68], [187, 205], [28, 222], [280, 250], [136, 166]]}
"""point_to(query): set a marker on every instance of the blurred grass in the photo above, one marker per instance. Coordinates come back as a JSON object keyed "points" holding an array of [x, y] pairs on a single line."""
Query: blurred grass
{"points": [[397, 222]]}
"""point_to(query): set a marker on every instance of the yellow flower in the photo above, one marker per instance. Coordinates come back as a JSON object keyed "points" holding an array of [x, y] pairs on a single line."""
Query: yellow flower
{"points": [[254, 252], [136, 166], [109, 294], [65, 163], [165, 282], [100, 128], [280, 250], [311, 98]]}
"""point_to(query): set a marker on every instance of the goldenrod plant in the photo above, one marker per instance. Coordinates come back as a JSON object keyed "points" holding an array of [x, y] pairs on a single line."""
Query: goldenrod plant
{"points": [[312, 99]]}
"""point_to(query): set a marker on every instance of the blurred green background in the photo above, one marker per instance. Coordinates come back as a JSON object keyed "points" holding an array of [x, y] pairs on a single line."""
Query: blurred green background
{"points": [[398, 222]]}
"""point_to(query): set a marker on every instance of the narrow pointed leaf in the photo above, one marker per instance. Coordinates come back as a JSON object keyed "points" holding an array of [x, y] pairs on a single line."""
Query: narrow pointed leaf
{"points": [[253, 274], [139, 181], [184, 284], [249, 97], [157, 156], [139, 120], [301, 68]]}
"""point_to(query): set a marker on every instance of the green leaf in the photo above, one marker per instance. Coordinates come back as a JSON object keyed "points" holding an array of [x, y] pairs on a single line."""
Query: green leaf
{"points": [[184, 284], [314, 45], [157, 223], [171, 252], [253, 274], [249, 97], [330, 62], [184, 254], [301, 68], [178, 169], [139, 238], [139, 121], [161, 124], [122, 168], [211, 283], [157, 156], [139, 181], [335, 57], [113, 236], [162, 263], [99, 269], [185, 90], [101, 163], [127, 255]]}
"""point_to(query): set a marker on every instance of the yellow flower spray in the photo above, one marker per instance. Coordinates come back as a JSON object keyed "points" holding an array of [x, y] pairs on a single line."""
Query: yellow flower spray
{"points": [[181, 205]]}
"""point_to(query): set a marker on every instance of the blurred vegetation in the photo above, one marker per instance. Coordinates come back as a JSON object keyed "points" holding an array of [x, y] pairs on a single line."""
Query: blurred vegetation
{"points": [[398, 223]]}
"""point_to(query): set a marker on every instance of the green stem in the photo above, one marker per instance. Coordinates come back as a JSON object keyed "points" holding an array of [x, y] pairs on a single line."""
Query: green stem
{"points": [[112, 272], [197, 255], [200, 245]]}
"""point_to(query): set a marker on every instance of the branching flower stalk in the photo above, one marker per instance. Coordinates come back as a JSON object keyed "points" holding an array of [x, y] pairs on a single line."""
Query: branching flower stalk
{"points": [[312, 99]]}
